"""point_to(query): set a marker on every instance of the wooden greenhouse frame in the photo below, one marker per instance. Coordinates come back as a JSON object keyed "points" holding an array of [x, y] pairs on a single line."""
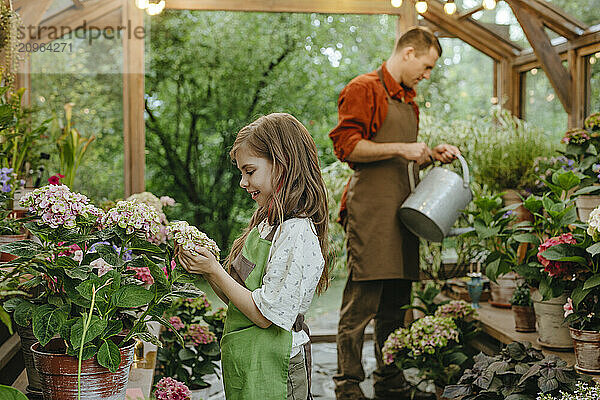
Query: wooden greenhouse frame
{"points": [[511, 62]]}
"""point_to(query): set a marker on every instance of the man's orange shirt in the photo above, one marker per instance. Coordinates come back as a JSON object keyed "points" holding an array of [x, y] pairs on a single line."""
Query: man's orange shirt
{"points": [[362, 108]]}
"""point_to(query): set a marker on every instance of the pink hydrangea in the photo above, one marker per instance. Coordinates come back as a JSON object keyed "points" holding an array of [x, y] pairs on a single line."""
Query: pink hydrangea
{"points": [[56, 206], [133, 216], [170, 389], [198, 304], [177, 323], [560, 269], [457, 309], [143, 274], [199, 334], [167, 201]]}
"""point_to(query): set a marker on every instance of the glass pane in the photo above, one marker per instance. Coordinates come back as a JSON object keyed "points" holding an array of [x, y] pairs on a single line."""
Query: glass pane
{"points": [[594, 60], [461, 85], [87, 73], [541, 106], [586, 11]]}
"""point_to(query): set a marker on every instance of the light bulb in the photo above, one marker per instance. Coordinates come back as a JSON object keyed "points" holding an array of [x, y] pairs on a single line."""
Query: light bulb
{"points": [[488, 4], [421, 6], [396, 3], [153, 9], [141, 4], [450, 7]]}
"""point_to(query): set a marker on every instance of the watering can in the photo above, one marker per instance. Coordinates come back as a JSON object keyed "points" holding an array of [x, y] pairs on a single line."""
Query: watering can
{"points": [[435, 203]]}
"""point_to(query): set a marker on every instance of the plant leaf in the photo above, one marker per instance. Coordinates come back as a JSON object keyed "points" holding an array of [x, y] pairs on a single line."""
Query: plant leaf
{"points": [[109, 356], [46, 322], [131, 296], [22, 248], [97, 326]]}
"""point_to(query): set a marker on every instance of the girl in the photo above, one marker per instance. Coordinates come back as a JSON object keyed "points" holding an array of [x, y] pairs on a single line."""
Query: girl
{"points": [[275, 266]]}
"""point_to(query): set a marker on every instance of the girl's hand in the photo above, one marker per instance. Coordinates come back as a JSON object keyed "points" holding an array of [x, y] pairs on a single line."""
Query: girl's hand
{"points": [[445, 152], [202, 263]]}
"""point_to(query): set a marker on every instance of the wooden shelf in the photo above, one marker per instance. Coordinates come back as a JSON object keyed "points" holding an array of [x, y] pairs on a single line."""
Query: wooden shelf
{"points": [[499, 324]]}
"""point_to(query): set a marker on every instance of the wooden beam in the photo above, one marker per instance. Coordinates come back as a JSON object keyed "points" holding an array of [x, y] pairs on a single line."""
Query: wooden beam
{"points": [[468, 13], [504, 84], [133, 100], [305, 6], [407, 18], [472, 33], [78, 4], [559, 77], [578, 89], [72, 19], [589, 39], [31, 12], [552, 17]]}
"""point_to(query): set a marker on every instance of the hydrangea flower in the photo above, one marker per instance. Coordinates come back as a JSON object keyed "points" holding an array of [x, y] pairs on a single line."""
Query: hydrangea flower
{"points": [[170, 389], [560, 269], [592, 122], [198, 305], [594, 224], [424, 337], [220, 314], [177, 323], [583, 391], [199, 334], [5, 178], [189, 237], [457, 309], [133, 217], [147, 198], [57, 206], [167, 201], [575, 136], [568, 307]]}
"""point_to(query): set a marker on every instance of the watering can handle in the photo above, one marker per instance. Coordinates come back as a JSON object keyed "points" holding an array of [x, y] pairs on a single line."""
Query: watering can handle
{"points": [[465, 173]]}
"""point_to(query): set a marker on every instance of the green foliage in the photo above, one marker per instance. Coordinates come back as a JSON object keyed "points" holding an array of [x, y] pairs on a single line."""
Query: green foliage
{"points": [[519, 372], [190, 362], [521, 296], [71, 146], [10, 393]]}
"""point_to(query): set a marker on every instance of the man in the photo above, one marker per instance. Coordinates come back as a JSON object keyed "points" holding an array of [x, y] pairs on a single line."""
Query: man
{"points": [[377, 135]]}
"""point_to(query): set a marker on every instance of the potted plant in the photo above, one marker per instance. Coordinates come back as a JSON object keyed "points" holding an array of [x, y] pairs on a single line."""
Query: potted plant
{"points": [[88, 295], [498, 244], [522, 308], [552, 228], [11, 229], [506, 163], [582, 146], [519, 372], [432, 345]]}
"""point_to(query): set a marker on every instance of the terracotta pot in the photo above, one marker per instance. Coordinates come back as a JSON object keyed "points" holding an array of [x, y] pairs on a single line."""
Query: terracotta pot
{"points": [[34, 387], [9, 239], [58, 373], [510, 197], [585, 204], [587, 350], [502, 290], [549, 315], [524, 318]]}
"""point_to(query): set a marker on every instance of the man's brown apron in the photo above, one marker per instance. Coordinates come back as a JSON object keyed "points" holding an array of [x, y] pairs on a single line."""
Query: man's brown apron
{"points": [[379, 245]]}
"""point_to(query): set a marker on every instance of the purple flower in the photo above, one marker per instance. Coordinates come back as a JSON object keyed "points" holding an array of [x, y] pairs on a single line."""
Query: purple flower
{"points": [[170, 389]]}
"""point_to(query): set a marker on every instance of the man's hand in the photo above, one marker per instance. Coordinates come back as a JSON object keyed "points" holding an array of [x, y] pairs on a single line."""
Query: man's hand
{"points": [[445, 152], [418, 152]]}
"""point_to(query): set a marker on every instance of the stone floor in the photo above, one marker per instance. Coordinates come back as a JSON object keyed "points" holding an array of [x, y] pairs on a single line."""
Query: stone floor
{"points": [[324, 367]]}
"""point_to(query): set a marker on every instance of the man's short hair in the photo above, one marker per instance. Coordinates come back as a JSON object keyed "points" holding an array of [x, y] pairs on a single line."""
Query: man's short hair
{"points": [[421, 38]]}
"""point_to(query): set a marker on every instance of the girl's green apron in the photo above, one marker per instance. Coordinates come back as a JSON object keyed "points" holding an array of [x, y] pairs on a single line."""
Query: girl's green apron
{"points": [[255, 360]]}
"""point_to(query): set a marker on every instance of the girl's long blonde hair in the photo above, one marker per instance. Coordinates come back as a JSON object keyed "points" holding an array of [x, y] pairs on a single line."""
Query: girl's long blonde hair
{"points": [[299, 190]]}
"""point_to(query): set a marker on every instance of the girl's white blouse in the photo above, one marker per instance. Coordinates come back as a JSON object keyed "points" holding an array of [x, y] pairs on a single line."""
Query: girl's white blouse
{"points": [[292, 273]]}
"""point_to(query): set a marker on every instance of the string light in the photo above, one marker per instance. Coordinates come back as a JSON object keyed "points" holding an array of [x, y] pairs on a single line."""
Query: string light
{"points": [[152, 7], [450, 7], [396, 3], [488, 4], [421, 6], [142, 4], [155, 8]]}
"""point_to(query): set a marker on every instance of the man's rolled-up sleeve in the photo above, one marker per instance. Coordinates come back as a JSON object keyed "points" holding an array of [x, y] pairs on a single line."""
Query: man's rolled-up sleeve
{"points": [[355, 115]]}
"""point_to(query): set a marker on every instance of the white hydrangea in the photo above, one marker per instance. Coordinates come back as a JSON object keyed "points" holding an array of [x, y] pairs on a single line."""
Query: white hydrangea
{"points": [[188, 237], [594, 224]]}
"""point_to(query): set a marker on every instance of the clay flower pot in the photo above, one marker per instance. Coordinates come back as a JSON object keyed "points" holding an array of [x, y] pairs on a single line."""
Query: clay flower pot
{"points": [[524, 318], [587, 350], [58, 373]]}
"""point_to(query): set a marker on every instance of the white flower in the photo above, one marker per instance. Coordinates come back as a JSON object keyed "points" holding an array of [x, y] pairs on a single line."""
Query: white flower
{"points": [[103, 266], [188, 237]]}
